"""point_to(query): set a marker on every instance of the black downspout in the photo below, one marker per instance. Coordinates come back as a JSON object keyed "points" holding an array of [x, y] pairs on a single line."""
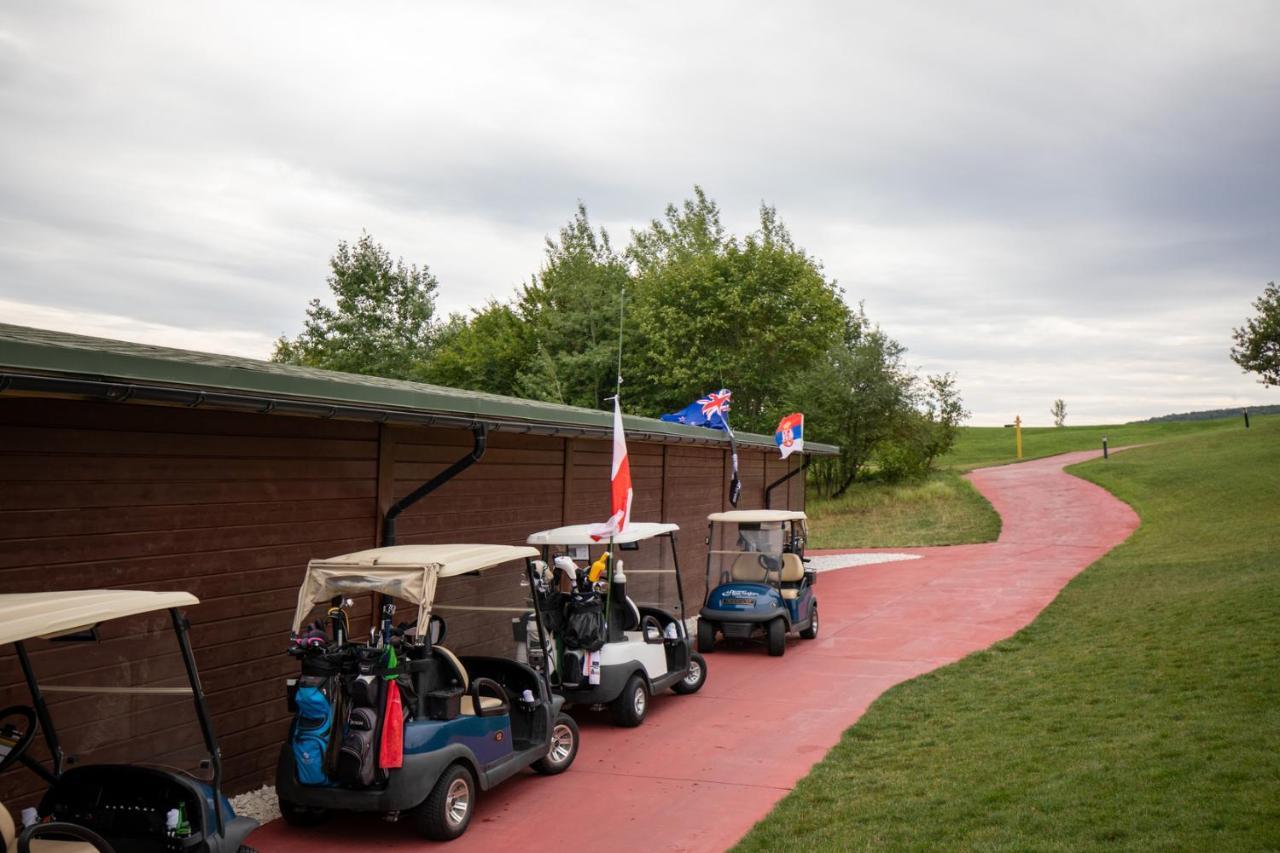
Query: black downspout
{"points": [[181, 626], [389, 521], [787, 476]]}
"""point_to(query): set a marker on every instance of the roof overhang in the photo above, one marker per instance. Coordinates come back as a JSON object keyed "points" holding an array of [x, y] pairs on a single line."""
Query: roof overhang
{"points": [[579, 534], [25, 615], [756, 516]]}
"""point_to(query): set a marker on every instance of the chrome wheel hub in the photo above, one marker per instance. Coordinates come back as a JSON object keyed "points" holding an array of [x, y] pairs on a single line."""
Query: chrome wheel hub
{"points": [[561, 744], [457, 802]]}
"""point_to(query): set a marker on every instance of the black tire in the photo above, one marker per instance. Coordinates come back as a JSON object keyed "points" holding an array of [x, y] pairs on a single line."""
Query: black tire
{"points": [[299, 815], [244, 849], [439, 817], [697, 676], [811, 633], [632, 704], [706, 636], [562, 749], [777, 638]]}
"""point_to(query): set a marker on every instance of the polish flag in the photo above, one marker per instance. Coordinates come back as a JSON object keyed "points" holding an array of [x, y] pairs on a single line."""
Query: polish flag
{"points": [[620, 491]]}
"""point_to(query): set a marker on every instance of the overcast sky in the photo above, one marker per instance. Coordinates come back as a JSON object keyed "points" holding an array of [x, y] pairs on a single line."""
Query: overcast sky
{"points": [[1052, 200]]}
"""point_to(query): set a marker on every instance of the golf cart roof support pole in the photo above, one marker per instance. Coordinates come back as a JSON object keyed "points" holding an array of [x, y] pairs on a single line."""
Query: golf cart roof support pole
{"points": [[543, 637], [180, 627], [706, 595], [675, 561], [480, 433], [787, 476], [42, 714]]}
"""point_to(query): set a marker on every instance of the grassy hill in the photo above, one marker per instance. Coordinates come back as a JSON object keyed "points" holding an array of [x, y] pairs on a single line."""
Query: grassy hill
{"points": [[1140, 710]]}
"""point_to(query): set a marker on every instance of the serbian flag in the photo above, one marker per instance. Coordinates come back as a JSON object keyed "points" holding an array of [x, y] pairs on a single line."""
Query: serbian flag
{"points": [[790, 434], [620, 492]]}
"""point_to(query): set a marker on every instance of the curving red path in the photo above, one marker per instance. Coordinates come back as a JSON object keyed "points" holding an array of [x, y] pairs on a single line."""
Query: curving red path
{"points": [[704, 768]]}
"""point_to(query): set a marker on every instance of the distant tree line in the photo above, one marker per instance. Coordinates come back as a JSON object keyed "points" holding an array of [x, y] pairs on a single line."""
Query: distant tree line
{"points": [[1213, 414], [704, 309]]}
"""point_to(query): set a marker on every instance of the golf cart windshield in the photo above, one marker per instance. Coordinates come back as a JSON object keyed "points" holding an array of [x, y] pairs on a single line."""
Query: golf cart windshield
{"points": [[645, 551], [747, 545]]}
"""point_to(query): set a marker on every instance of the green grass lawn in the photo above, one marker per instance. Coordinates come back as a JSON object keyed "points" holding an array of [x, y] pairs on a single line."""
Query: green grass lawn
{"points": [[1140, 710], [979, 446], [942, 510]]}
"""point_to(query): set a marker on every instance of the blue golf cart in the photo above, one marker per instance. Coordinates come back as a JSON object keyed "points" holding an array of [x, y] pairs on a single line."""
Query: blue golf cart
{"points": [[460, 724], [758, 586]]}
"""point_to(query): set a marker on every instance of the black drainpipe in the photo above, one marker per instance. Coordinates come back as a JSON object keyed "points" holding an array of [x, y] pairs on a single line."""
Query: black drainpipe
{"points": [[787, 476], [480, 431]]}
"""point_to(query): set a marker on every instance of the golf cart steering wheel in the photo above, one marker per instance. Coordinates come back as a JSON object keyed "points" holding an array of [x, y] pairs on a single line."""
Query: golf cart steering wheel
{"points": [[17, 738], [769, 564]]}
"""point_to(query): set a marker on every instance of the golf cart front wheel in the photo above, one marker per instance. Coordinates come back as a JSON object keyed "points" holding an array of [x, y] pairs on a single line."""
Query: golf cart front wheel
{"points": [[299, 815], [447, 810], [811, 632], [632, 704], [777, 638], [562, 749], [696, 677], [706, 637]]}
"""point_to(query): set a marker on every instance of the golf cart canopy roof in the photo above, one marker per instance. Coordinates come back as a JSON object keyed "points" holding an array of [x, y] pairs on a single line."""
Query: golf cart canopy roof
{"points": [[406, 572], [49, 614], [579, 534], [756, 516]]}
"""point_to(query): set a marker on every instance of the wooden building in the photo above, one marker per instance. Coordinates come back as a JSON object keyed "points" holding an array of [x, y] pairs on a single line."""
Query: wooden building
{"points": [[124, 465]]}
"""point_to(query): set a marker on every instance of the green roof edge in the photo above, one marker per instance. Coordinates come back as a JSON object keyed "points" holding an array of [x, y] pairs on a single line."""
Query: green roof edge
{"points": [[62, 353]]}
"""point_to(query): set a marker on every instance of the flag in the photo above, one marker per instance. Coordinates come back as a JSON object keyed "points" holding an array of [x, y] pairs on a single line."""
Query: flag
{"points": [[712, 411], [790, 434], [620, 491]]}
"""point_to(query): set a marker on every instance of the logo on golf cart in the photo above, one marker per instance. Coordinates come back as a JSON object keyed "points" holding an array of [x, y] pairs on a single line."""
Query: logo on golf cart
{"points": [[498, 736], [738, 597]]}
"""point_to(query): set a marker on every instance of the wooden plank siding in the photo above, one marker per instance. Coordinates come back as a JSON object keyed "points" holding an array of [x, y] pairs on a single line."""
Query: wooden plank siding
{"points": [[231, 506]]}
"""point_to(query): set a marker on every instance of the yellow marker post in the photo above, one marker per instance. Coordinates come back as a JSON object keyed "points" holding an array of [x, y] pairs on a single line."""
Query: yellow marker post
{"points": [[1017, 432]]}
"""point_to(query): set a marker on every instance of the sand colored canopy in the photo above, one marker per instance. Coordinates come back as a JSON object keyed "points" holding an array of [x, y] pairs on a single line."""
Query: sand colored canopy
{"points": [[579, 534], [48, 614], [756, 516], [406, 572]]}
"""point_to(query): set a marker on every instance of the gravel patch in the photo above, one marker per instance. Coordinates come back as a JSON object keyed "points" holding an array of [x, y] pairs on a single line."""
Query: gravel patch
{"points": [[830, 562], [260, 805]]}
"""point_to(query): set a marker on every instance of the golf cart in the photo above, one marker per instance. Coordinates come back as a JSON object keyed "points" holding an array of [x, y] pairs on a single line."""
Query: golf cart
{"points": [[605, 648], [129, 808], [762, 586], [395, 721]]}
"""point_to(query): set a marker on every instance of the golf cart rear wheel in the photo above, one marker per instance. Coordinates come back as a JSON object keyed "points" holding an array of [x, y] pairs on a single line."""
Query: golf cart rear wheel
{"points": [[299, 815], [632, 704], [697, 676], [777, 638], [706, 637], [811, 632], [562, 749], [447, 810]]}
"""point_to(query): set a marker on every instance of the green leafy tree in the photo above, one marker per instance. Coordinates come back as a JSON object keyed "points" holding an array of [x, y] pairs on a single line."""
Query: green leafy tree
{"points": [[858, 396], [381, 323], [1059, 412], [485, 352], [1257, 347], [570, 310], [711, 310]]}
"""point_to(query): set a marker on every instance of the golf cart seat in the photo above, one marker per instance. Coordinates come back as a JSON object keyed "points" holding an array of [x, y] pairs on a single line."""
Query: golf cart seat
{"points": [[792, 574], [9, 839], [747, 568], [487, 703]]}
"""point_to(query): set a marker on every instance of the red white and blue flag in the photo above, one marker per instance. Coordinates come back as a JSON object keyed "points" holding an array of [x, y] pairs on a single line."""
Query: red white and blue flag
{"points": [[790, 434], [620, 491]]}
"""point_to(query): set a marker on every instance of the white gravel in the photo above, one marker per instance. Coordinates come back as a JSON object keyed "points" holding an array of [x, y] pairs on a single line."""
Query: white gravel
{"points": [[260, 804], [830, 562]]}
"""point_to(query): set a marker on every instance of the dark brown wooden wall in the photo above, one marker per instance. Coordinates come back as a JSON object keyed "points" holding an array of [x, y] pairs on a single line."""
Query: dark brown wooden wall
{"points": [[231, 507]]}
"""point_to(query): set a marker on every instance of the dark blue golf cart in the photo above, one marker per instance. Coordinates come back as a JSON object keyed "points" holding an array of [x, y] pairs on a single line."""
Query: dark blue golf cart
{"points": [[459, 725], [759, 587]]}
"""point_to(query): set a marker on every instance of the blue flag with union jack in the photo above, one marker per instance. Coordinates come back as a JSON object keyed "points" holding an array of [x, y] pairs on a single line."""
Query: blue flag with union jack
{"points": [[712, 411]]}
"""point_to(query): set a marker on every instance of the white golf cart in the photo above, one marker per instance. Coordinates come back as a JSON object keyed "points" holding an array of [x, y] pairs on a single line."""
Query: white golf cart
{"points": [[129, 808], [605, 648]]}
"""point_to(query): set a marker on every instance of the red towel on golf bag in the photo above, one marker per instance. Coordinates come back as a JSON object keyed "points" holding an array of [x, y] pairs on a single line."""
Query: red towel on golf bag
{"points": [[391, 750]]}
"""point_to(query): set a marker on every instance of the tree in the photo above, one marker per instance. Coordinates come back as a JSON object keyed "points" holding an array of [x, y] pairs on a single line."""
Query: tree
{"points": [[859, 396], [382, 321], [941, 413], [1257, 347], [483, 353], [570, 310], [1059, 412], [712, 311]]}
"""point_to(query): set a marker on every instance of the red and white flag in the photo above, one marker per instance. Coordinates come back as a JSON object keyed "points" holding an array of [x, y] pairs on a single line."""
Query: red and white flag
{"points": [[620, 491]]}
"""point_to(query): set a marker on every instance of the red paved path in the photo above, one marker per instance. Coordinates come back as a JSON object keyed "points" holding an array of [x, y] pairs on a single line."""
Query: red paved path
{"points": [[704, 768]]}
